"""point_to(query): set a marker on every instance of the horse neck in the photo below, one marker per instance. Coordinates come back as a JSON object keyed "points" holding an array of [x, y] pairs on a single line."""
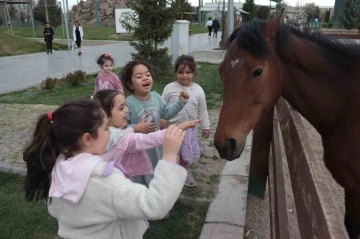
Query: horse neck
{"points": [[318, 90]]}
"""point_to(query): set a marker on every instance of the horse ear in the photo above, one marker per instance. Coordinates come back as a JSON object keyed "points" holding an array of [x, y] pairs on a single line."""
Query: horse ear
{"points": [[272, 27]]}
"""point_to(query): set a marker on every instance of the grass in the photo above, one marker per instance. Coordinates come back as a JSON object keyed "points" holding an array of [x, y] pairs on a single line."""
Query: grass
{"points": [[186, 221], [90, 33], [198, 28], [20, 219], [207, 77], [11, 45]]}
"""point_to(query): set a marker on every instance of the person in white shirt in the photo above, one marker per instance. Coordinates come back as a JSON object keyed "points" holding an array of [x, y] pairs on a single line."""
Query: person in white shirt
{"points": [[78, 35], [209, 26], [196, 108]]}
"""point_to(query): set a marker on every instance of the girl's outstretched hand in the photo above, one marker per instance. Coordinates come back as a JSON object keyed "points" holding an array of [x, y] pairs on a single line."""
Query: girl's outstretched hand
{"points": [[173, 139], [184, 96], [188, 124]]}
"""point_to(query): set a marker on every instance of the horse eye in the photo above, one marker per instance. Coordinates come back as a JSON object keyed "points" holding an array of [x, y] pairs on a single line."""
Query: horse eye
{"points": [[257, 73]]}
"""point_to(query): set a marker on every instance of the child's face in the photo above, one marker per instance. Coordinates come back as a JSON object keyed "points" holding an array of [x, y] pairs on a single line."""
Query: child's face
{"points": [[184, 75], [98, 145], [119, 112], [142, 81], [107, 66], [47, 25]]}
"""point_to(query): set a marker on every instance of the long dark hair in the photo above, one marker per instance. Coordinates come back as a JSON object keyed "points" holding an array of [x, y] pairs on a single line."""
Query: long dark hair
{"points": [[57, 133]]}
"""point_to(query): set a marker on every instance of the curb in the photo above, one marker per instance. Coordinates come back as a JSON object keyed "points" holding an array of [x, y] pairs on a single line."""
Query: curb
{"points": [[226, 215]]}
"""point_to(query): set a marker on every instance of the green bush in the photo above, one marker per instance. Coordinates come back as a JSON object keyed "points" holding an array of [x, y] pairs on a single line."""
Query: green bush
{"points": [[324, 25], [48, 84], [76, 78], [80, 74], [330, 25]]}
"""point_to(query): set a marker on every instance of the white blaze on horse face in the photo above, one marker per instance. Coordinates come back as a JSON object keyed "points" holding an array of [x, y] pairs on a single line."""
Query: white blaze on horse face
{"points": [[233, 63]]}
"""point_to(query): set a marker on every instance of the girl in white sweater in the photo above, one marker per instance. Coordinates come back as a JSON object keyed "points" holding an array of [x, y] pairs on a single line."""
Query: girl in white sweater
{"points": [[65, 169], [185, 69]]}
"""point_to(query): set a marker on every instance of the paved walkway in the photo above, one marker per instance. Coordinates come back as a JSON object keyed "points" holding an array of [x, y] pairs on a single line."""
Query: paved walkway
{"points": [[19, 72]]}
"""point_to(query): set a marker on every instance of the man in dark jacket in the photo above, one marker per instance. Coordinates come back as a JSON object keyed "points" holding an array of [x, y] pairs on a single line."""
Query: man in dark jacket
{"points": [[216, 26], [48, 37]]}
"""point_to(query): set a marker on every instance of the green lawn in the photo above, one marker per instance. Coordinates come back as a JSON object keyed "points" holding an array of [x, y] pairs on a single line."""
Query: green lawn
{"points": [[20, 219], [207, 77], [91, 33], [11, 45]]}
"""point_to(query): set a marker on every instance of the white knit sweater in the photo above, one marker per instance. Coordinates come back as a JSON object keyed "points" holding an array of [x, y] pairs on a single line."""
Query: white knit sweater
{"points": [[195, 108], [114, 207]]}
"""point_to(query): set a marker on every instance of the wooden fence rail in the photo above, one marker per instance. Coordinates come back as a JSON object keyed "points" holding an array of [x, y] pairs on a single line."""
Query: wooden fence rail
{"points": [[317, 215]]}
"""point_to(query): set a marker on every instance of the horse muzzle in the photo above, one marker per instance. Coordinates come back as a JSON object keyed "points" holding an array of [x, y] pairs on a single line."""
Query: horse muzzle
{"points": [[230, 150]]}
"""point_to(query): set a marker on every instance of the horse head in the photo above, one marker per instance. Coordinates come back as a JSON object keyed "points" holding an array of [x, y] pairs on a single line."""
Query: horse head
{"points": [[251, 75]]}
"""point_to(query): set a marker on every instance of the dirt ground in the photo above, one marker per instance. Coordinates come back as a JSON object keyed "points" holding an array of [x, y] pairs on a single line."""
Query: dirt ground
{"points": [[257, 214]]}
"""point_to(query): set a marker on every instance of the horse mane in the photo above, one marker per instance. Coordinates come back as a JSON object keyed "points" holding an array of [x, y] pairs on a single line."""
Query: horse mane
{"points": [[250, 38]]}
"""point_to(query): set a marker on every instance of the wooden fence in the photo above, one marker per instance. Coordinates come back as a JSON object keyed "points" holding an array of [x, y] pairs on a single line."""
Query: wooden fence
{"points": [[317, 215]]}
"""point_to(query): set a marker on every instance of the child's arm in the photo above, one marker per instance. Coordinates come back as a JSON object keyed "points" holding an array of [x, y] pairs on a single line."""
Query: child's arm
{"points": [[169, 112], [203, 115], [135, 201], [140, 142]]}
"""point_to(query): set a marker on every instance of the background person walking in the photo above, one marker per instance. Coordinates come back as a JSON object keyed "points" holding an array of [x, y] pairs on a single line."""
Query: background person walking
{"points": [[48, 37], [209, 26], [78, 35]]}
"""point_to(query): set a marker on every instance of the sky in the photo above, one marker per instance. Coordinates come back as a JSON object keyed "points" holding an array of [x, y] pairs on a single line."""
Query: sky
{"points": [[262, 2]]}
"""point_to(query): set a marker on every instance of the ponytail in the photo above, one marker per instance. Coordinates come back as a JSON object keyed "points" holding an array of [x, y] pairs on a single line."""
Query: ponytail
{"points": [[58, 133], [40, 156]]}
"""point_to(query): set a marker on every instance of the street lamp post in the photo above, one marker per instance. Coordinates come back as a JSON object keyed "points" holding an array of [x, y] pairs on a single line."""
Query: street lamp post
{"points": [[230, 18]]}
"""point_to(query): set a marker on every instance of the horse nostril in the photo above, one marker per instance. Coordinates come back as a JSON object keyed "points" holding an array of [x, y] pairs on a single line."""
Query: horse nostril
{"points": [[230, 147], [227, 150]]}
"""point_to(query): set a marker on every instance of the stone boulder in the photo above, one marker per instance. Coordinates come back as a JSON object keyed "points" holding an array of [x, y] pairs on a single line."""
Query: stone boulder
{"points": [[85, 12]]}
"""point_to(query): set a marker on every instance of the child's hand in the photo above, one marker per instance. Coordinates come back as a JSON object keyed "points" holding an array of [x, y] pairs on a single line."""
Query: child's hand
{"points": [[188, 124], [173, 139], [163, 124], [144, 127], [184, 96], [205, 133]]}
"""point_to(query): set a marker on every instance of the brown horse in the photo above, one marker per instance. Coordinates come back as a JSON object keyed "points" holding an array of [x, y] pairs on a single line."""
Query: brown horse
{"points": [[317, 75]]}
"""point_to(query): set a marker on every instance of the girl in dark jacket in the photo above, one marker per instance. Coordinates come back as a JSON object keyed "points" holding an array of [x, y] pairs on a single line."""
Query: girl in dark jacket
{"points": [[48, 33]]}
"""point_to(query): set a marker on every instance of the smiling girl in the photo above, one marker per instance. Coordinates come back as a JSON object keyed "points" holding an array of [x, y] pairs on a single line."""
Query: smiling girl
{"points": [[146, 107], [126, 149]]}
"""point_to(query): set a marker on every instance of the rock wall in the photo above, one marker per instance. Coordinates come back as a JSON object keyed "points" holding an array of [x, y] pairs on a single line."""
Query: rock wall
{"points": [[85, 12]]}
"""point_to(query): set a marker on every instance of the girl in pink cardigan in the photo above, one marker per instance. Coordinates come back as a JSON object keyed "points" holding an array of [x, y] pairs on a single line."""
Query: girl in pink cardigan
{"points": [[126, 150]]}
